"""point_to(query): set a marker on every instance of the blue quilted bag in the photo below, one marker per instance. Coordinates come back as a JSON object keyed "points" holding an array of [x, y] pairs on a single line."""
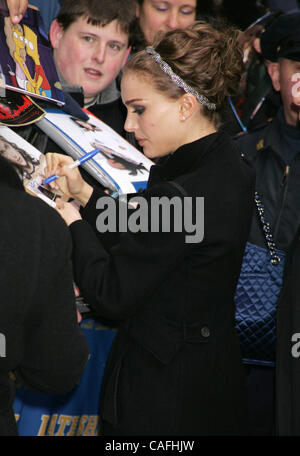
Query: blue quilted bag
{"points": [[256, 297]]}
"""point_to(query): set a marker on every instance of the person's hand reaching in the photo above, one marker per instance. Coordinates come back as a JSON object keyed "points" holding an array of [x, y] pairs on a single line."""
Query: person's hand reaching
{"points": [[17, 9]]}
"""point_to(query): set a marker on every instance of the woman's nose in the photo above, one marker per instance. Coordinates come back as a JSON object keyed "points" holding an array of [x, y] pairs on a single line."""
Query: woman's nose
{"points": [[172, 21], [129, 124]]}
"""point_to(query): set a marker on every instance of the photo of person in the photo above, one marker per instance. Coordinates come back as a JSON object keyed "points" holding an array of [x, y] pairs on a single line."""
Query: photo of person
{"points": [[85, 125], [24, 163], [29, 168], [118, 161]]}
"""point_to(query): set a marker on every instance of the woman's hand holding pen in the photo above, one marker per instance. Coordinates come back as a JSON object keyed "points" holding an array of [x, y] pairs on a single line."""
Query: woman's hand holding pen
{"points": [[70, 182], [68, 211]]}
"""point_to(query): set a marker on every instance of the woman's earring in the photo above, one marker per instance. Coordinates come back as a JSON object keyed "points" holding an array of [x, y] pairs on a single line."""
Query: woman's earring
{"points": [[183, 118]]}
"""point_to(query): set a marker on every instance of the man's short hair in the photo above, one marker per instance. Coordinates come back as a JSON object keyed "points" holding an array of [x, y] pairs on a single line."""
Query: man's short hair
{"points": [[99, 13]]}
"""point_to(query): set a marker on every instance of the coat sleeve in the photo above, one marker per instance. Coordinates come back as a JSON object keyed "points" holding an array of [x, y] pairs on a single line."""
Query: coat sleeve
{"points": [[115, 282], [55, 350]]}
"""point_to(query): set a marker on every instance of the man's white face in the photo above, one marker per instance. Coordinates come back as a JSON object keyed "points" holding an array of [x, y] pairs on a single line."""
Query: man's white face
{"points": [[89, 56]]}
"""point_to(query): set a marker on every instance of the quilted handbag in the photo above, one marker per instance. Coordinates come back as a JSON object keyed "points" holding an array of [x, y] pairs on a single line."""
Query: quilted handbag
{"points": [[256, 297]]}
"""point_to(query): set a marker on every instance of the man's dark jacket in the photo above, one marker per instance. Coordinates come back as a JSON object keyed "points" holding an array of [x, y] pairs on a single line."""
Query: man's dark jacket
{"points": [[277, 184]]}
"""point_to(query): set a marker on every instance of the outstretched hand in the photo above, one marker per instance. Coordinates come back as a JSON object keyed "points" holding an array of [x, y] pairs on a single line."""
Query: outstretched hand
{"points": [[17, 9]]}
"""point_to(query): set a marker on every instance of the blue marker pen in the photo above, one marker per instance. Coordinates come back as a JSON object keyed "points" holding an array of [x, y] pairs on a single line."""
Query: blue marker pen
{"points": [[78, 162]]}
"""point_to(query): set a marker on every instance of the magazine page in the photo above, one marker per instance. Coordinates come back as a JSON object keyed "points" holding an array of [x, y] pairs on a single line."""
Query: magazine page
{"points": [[28, 162], [18, 110], [26, 57], [118, 165]]}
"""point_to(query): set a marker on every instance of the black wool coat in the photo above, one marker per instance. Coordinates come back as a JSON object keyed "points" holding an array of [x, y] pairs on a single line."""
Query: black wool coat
{"points": [[175, 366], [44, 347]]}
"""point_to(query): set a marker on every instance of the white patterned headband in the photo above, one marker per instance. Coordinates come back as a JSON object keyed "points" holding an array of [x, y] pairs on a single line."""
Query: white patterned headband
{"points": [[178, 80]]}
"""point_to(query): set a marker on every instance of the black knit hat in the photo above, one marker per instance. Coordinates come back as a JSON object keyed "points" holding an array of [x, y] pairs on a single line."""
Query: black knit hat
{"points": [[282, 38]]}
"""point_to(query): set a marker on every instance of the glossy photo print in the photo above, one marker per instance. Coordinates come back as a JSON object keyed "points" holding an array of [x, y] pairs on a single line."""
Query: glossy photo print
{"points": [[27, 161], [119, 166]]}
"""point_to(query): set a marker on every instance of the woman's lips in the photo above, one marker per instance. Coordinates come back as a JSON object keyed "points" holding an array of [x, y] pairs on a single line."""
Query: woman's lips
{"points": [[141, 141]]}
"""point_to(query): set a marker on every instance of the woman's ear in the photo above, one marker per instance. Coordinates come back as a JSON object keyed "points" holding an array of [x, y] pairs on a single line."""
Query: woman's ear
{"points": [[187, 106], [126, 55], [256, 45], [55, 33]]}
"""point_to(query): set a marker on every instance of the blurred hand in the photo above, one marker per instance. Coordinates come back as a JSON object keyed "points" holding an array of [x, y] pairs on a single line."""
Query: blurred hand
{"points": [[77, 294], [17, 9], [79, 317], [70, 182], [68, 211]]}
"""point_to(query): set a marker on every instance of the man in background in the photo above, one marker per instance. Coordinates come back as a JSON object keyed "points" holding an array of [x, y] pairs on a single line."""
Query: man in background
{"points": [[91, 43], [274, 151]]}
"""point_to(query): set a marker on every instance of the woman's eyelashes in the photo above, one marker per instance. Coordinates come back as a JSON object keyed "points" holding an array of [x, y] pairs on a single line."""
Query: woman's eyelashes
{"points": [[138, 110], [184, 10], [187, 11]]}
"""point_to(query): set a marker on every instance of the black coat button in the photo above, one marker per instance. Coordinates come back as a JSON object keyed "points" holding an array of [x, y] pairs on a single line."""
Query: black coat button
{"points": [[205, 332]]}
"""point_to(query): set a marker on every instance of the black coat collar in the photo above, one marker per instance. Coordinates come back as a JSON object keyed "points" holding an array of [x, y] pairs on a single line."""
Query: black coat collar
{"points": [[183, 160]]}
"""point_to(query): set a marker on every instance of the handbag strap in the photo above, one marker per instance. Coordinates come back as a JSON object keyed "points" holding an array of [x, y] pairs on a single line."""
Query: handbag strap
{"points": [[178, 187], [275, 259]]}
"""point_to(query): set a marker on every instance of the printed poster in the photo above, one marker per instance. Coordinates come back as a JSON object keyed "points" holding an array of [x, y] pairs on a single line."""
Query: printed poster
{"points": [[26, 57]]}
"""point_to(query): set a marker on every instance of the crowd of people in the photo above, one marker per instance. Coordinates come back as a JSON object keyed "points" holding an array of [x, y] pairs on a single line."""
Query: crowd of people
{"points": [[162, 74]]}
